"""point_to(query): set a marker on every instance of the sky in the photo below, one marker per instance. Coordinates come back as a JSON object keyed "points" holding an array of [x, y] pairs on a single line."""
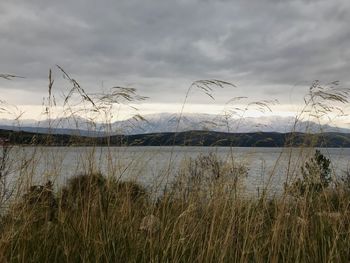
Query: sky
{"points": [[270, 49]]}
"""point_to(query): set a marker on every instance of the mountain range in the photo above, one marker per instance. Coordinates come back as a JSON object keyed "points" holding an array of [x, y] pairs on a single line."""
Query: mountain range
{"points": [[169, 122]]}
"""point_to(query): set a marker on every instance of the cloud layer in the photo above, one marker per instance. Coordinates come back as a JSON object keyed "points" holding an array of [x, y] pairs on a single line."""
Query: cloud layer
{"points": [[161, 46]]}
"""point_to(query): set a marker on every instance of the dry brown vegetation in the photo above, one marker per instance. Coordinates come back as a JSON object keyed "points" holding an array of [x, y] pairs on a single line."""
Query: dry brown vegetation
{"points": [[94, 219]]}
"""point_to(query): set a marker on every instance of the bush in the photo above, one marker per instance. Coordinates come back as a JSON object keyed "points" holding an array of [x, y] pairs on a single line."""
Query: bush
{"points": [[94, 191], [82, 191], [315, 175], [207, 176]]}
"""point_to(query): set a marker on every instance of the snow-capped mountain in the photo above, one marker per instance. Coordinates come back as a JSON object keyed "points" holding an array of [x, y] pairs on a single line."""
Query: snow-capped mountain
{"points": [[169, 122]]}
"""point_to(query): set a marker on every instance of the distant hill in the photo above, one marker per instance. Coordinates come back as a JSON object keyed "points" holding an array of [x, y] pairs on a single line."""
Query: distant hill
{"points": [[189, 138], [256, 139]]}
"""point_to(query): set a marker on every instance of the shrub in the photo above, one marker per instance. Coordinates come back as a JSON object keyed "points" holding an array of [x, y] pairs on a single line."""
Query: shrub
{"points": [[37, 205], [83, 191], [99, 193], [315, 175], [207, 176], [346, 179]]}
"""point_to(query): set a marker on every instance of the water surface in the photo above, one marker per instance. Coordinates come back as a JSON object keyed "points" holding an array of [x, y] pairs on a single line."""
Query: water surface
{"points": [[155, 166]]}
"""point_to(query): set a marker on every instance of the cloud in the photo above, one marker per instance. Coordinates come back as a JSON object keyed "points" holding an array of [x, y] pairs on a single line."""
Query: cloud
{"points": [[161, 46]]}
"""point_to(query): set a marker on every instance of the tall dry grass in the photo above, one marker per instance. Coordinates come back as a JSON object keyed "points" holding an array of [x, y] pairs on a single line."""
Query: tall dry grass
{"points": [[201, 215]]}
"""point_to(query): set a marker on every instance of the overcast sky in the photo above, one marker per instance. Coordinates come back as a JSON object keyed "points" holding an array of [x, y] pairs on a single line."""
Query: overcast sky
{"points": [[268, 48]]}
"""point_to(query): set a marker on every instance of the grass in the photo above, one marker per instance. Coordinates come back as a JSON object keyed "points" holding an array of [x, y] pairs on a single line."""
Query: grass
{"points": [[93, 219], [200, 214]]}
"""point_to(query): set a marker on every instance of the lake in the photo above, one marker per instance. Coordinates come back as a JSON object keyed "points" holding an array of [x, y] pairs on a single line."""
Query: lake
{"points": [[155, 166]]}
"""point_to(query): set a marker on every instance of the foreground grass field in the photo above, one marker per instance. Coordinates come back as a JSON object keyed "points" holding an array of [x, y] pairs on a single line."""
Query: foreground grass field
{"points": [[201, 217]]}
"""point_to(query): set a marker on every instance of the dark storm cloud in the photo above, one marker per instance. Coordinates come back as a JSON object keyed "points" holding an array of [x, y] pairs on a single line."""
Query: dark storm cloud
{"points": [[161, 46]]}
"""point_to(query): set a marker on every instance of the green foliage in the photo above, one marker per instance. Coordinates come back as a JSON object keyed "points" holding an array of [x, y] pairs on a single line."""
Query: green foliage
{"points": [[316, 175]]}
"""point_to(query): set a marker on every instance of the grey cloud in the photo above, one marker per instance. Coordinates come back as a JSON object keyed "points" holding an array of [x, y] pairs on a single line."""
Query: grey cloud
{"points": [[161, 46]]}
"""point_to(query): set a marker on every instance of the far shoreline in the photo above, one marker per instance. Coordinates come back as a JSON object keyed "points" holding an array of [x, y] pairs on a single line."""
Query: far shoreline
{"points": [[182, 139]]}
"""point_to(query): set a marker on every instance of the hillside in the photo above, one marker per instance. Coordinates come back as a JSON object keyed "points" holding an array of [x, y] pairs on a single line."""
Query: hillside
{"points": [[189, 138]]}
